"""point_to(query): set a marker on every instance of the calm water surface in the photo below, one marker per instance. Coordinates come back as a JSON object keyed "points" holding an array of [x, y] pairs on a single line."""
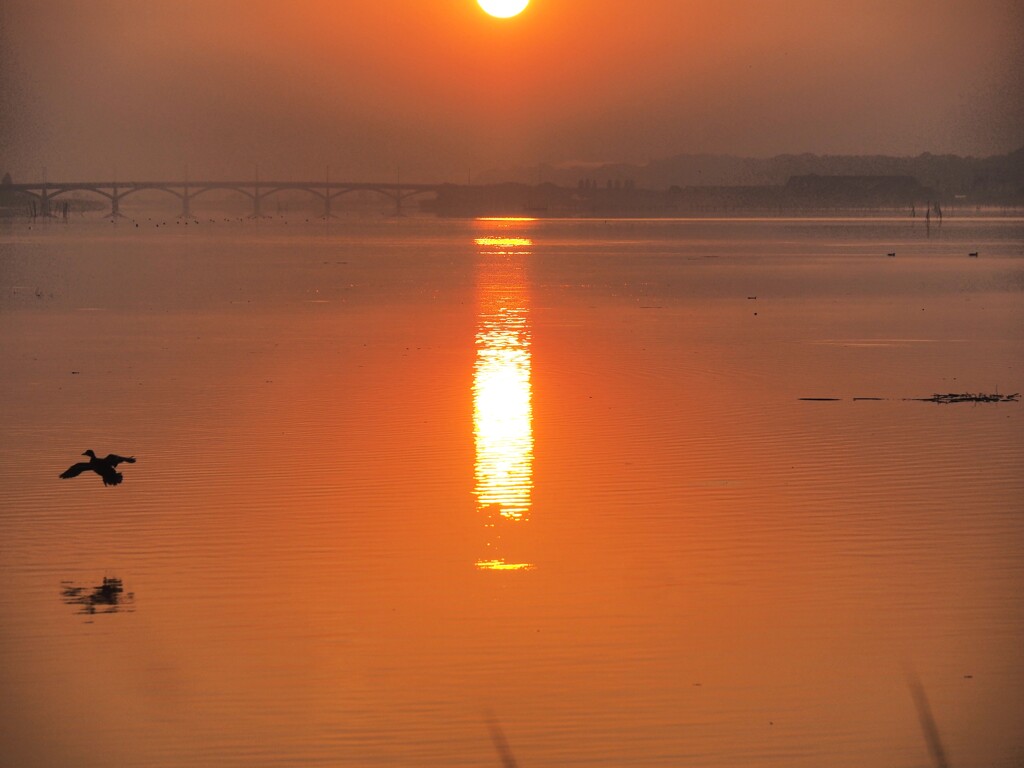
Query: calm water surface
{"points": [[398, 477]]}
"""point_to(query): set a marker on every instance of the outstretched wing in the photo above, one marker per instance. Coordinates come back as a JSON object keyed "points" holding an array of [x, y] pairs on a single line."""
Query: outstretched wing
{"points": [[75, 470], [113, 459]]}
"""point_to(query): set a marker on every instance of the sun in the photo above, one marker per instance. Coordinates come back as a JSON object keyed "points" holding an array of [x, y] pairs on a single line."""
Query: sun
{"points": [[504, 9]]}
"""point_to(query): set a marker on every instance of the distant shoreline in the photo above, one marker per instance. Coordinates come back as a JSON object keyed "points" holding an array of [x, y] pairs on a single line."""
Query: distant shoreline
{"points": [[810, 196]]}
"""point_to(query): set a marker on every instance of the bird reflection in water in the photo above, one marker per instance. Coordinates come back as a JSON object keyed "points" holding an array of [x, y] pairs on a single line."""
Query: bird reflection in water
{"points": [[502, 400], [108, 597]]}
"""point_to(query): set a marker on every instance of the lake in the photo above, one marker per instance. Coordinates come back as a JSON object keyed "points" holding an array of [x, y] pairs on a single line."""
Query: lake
{"points": [[613, 493]]}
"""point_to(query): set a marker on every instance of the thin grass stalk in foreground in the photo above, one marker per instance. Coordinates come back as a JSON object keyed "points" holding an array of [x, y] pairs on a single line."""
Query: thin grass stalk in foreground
{"points": [[508, 760], [928, 726]]}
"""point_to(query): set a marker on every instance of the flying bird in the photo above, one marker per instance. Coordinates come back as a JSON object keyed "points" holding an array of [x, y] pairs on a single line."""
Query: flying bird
{"points": [[105, 467]]}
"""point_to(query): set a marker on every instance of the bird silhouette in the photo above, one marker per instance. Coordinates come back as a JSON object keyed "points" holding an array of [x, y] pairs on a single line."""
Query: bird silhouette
{"points": [[104, 467]]}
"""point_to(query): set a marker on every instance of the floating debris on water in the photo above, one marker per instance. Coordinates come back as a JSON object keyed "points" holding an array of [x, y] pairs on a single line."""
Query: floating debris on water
{"points": [[948, 397], [969, 397], [108, 597]]}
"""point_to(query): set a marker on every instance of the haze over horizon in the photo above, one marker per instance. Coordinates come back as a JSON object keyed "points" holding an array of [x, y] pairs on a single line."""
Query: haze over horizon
{"points": [[439, 91]]}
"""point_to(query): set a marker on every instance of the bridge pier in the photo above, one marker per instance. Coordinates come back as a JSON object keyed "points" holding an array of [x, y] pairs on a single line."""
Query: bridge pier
{"points": [[115, 204], [257, 206], [186, 205], [44, 203]]}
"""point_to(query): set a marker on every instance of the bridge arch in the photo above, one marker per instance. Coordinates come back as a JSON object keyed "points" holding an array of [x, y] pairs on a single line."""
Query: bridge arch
{"points": [[400, 196], [48, 194], [185, 191]]}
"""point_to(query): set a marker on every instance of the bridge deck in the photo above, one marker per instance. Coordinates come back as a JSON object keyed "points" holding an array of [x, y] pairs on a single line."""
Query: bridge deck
{"points": [[257, 190]]}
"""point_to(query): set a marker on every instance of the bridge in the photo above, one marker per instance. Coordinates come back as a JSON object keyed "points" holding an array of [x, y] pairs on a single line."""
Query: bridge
{"points": [[46, 194]]}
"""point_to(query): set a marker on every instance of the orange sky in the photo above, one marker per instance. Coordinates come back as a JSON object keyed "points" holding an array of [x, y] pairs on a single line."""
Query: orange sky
{"points": [[437, 90]]}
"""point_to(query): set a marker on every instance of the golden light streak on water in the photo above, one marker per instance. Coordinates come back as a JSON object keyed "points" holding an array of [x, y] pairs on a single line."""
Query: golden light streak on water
{"points": [[501, 565], [502, 399], [507, 218], [505, 242]]}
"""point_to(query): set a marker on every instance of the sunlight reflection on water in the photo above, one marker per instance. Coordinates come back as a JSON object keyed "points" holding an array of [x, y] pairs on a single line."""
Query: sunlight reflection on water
{"points": [[502, 397]]}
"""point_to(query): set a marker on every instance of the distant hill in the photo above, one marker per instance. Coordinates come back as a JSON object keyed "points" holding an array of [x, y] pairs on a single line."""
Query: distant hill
{"points": [[999, 178]]}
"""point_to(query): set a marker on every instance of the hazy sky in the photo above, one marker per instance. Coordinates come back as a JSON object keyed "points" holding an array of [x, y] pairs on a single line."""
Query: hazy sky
{"points": [[435, 89]]}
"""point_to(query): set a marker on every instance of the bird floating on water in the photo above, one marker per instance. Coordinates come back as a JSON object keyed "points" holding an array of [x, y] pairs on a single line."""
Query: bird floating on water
{"points": [[105, 467]]}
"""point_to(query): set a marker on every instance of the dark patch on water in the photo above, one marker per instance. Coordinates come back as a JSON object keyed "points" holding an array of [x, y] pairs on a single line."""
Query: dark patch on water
{"points": [[108, 597]]}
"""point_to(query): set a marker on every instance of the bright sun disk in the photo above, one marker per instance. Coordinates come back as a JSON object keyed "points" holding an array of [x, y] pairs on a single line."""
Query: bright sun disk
{"points": [[504, 9]]}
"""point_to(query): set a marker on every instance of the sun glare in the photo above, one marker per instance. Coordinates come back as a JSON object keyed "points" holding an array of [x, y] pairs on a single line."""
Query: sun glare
{"points": [[504, 9], [502, 400]]}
